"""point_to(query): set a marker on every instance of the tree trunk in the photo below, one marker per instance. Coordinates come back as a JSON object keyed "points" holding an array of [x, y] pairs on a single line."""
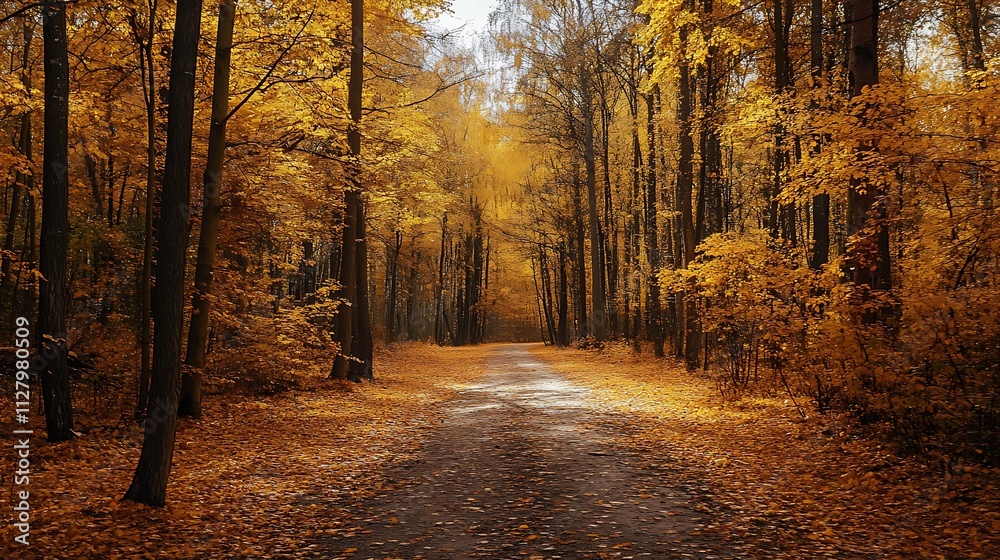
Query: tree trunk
{"points": [[709, 218], [581, 264], [789, 215], [685, 186], [562, 332], [147, 67], [149, 485], [363, 347], [392, 287], [868, 253], [351, 275], [821, 202], [411, 298], [611, 230], [975, 23], [637, 196], [546, 293], [56, 390], [348, 282], [439, 289], [653, 304], [475, 305], [211, 216], [778, 217], [598, 317]]}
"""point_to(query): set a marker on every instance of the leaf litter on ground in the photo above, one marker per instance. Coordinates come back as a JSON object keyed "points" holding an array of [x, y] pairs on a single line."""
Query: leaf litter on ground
{"points": [[261, 478], [784, 487]]}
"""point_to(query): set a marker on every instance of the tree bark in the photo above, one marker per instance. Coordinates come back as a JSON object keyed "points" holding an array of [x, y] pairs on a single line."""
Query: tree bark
{"points": [[562, 305], [439, 289], [351, 275], [975, 23], [581, 264], [211, 218], [652, 238], [56, 391], [868, 253], [363, 345], [821, 202], [149, 485], [637, 196], [348, 283], [685, 186], [147, 67], [392, 285], [475, 311], [611, 231], [778, 217], [411, 297], [598, 316]]}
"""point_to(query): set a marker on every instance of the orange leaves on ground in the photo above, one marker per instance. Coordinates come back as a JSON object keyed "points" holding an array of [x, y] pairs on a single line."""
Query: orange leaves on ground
{"points": [[782, 487], [255, 478]]}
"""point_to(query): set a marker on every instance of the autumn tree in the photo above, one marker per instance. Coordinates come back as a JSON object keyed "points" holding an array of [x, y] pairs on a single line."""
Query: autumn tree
{"points": [[194, 361], [866, 207], [55, 227], [149, 485], [353, 340]]}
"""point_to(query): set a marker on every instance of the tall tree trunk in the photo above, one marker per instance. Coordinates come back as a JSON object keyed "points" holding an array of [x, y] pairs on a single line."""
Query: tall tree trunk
{"points": [[562, 331], [149, 485], [411, 296], [790, 214], [439, 289], [392, 287], [56, 390], [581, 264], [475, 317], [637, 196], [653, 305], [536, 268], [976, 25], [598, 317], [868, 253], [110, 180], [211, 217], [546, 293], [348, 283], [685, 186], [147, 66], [821, 202], [709, 220], [465, 292], [610, 225], [363, 345], [484, 290], [350, 274], [777, 217]]}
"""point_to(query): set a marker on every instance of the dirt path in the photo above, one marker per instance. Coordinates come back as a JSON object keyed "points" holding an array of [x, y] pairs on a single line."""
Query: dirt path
{"points": [[523, 466]]}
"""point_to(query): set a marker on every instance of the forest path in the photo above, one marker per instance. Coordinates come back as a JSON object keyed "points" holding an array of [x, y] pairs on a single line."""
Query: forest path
{"points": [[523, 465]]}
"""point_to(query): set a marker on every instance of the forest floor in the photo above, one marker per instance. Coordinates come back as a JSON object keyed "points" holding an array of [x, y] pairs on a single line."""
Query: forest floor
{"points": [[507, 451]]}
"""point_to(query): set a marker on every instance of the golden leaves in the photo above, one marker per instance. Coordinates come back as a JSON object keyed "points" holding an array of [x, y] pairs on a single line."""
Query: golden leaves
{"points": [[252, 469], [784, 487]]}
